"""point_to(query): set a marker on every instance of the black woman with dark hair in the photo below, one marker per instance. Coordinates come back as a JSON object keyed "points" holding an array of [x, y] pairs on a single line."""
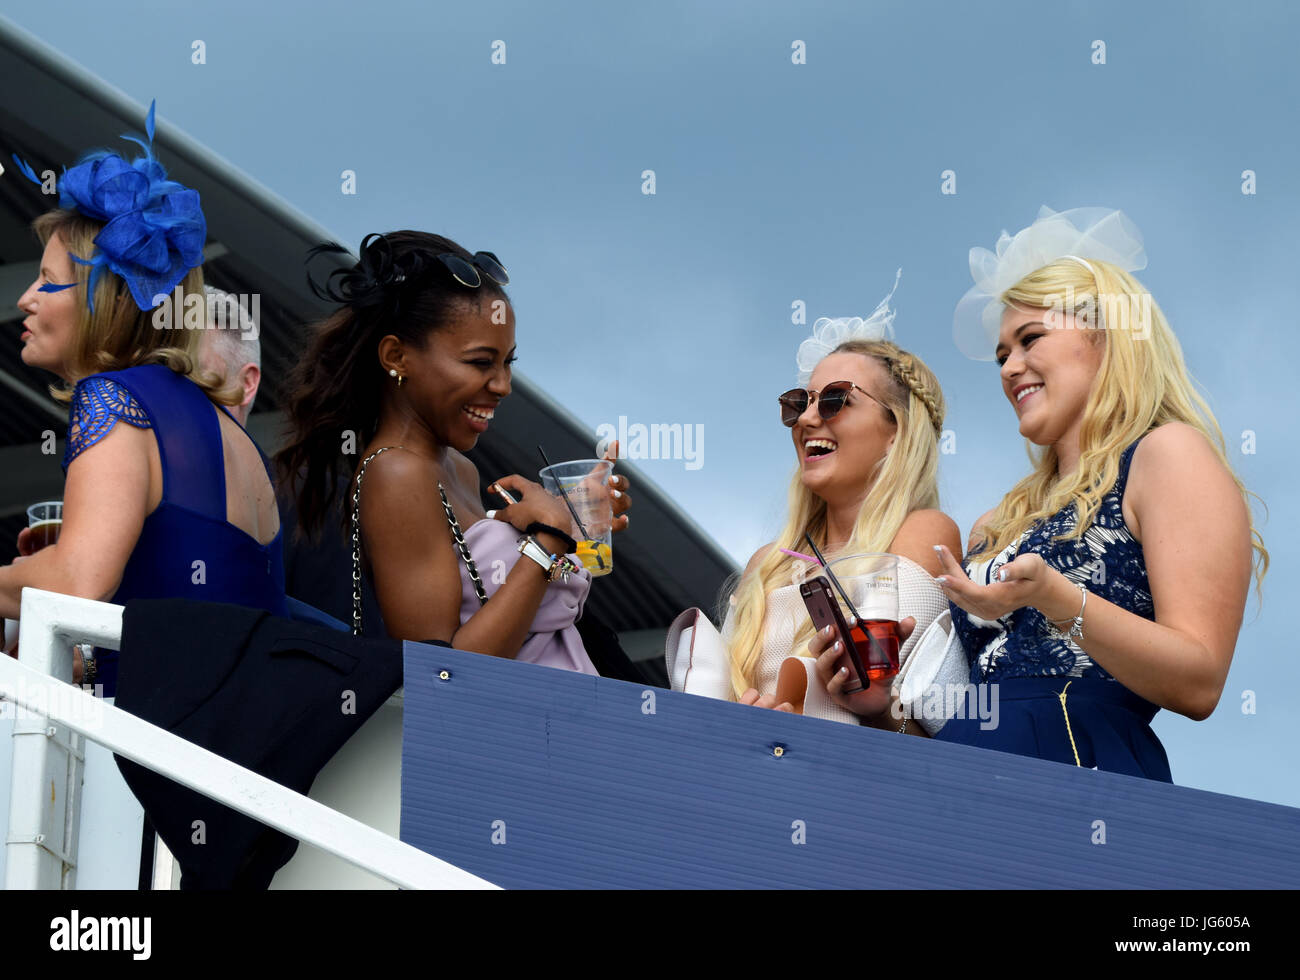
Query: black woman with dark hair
{"points": [[415, 363]]}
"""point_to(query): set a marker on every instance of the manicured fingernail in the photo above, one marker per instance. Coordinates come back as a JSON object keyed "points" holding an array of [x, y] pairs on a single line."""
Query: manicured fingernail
{"points": [[491, 514], [939, 548], [615, 493], [844, 671], [941, 579], [839, 647], [826, 630], [1002, 575]]}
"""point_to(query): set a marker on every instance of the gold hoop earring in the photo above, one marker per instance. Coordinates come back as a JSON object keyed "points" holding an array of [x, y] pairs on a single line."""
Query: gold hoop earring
{"points": [[400, 379]]}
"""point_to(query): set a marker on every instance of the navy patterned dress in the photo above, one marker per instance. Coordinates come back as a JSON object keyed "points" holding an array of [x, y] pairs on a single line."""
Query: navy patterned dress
{"points": [[1054, 701], [186, 548]]}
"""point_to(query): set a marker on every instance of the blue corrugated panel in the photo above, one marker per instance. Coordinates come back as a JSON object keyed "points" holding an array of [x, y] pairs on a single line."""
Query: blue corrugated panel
{"points": [[582, 788]]}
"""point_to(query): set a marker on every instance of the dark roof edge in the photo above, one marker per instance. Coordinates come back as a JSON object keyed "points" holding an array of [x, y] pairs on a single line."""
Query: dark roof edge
{"points": [[212, 165], [175, 140]]}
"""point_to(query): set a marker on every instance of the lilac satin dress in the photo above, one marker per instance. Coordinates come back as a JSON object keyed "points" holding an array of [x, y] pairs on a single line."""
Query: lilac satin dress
{"points": [[553, 640]]}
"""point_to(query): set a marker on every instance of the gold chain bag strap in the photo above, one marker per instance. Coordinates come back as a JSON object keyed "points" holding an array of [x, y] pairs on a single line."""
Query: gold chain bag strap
{"points": [[457, 537], [356, 540], [463, 548]]}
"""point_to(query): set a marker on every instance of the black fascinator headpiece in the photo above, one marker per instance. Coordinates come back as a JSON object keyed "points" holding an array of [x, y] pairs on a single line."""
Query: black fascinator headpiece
{"points": [[379, 274], [372, 280]]}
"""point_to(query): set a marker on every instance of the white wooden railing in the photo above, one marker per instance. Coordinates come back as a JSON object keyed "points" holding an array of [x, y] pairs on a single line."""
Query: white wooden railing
{"points": [[57, 717]]}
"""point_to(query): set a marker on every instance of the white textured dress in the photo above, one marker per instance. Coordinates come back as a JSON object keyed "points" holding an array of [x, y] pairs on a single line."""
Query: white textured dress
{"points": [[918, 596]]}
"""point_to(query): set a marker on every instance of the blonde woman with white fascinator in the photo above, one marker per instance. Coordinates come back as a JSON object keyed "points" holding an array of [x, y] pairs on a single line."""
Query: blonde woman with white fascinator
{"points": [[1111, 581], [865, 427]]}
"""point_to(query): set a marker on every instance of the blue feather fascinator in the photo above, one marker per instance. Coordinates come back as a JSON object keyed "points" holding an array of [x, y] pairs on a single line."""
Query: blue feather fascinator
{"points": [[154, 228]]}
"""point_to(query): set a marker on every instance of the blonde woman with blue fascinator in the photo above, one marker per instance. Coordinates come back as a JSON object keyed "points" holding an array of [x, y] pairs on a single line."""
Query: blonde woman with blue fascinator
{"points": [[158, 471], [1111, 581], [865, 427]]}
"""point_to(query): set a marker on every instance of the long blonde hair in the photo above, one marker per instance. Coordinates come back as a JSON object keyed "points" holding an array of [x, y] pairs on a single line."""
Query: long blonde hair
{"points": [[118, 334], [1142, 383], [904, 479]]}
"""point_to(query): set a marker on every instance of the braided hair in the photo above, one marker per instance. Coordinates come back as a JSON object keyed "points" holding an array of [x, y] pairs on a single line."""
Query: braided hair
{"points": [[913, 374], [911, 378]]}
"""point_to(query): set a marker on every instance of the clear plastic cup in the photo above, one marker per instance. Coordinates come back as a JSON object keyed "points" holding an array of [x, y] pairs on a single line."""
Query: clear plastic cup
{"points": [[871, 581], [585, 483], [45, 521]]}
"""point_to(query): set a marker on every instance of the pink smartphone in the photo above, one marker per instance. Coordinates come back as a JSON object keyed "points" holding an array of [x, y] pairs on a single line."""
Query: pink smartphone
{"points": [[825, 611]]}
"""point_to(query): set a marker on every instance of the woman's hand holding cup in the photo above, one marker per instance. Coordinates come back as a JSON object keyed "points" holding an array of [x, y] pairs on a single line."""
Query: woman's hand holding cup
{"points": [[619, 500]]}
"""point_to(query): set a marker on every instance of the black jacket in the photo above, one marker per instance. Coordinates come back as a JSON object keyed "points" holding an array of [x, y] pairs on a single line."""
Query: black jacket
{"points": [[278, 697]]}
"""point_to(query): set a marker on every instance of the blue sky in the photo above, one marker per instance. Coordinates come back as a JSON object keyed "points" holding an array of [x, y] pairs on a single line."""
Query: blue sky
{"points": [[778, 182]]}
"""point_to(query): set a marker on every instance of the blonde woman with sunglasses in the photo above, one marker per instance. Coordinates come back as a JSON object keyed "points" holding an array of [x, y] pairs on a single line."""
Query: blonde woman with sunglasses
{"points": [[865, 434]]}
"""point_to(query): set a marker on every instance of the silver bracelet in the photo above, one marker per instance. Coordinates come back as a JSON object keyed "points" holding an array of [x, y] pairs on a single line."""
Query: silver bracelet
{"points": [[1076, 624], [89, 666]]}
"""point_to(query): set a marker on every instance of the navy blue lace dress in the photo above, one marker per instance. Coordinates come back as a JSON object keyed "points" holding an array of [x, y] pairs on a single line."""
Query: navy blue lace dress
{"points": [[186, 549], [1053, 701]]}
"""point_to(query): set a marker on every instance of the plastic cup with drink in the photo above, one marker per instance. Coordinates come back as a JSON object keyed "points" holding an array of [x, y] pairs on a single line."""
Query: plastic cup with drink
{"points": [[584, 483], [871, 583], [45, 521]]}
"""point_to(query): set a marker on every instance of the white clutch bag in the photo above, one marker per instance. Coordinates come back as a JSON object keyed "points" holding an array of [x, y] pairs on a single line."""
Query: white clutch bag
{"points": [[698, 663], [936, 666], [697, 658]]}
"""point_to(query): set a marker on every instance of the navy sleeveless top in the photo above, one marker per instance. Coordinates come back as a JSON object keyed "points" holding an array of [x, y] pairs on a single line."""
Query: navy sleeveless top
{"points": [[186, 548], [1107, 560]]}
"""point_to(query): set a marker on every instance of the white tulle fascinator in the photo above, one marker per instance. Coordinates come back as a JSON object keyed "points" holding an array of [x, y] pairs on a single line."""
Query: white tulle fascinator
{"points": [[828, 333], [1079, 234]]}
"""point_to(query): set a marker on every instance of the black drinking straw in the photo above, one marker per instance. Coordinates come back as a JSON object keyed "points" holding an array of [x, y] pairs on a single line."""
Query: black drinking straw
{"points": [[576, 519], [834, 581], [875, 644]]}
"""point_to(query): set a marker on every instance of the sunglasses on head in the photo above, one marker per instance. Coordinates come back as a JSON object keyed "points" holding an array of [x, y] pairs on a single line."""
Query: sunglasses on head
{"points": [[467, 273], [829, 400]]}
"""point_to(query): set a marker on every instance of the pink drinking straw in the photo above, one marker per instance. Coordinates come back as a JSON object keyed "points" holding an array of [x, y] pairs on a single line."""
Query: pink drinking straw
{"points": [[796, 554]]}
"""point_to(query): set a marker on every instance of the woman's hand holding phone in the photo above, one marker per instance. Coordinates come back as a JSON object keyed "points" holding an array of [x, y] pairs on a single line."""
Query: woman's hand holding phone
{"points": [[532, 504], [827, 648], [871, 703]]}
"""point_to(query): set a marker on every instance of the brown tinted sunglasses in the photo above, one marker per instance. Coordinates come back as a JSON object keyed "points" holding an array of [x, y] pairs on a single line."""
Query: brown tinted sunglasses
{"points": [[829, 401]]}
